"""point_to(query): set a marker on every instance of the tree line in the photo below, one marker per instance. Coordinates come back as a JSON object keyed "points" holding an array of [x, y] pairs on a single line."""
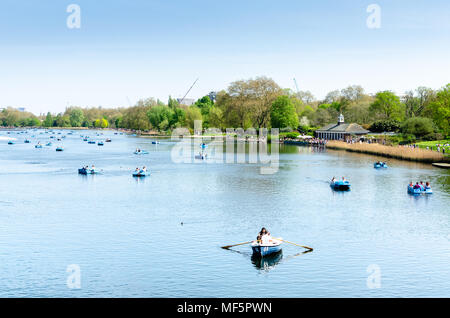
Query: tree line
{"points": [[261, 103]]}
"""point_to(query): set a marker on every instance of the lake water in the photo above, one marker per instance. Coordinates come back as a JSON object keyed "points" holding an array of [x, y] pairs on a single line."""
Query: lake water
{"points": [[161, 236]]}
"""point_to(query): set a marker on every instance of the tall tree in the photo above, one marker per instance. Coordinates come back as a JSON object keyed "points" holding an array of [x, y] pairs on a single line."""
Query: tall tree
{"points": [[283, 113], [439, 110], [387, 105]]}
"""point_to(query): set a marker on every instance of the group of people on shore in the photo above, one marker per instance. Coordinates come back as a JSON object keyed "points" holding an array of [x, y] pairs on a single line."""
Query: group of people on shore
{"points": [[420, 185]]}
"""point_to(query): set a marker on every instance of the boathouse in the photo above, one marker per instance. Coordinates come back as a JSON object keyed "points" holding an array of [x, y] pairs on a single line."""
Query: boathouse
{"points": [[341, 130]]}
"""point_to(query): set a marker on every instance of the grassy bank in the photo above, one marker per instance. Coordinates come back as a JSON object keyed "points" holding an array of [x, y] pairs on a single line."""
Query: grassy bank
{"points": [[432, 145], [397, 152]]}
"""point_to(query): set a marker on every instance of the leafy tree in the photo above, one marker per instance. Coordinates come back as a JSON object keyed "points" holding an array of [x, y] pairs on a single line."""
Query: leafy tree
{"points": [[216, 118], [306, 97], [416, 101], [387, 105], [173, 103], [283, 113], [159, 114], [76, 117], [205, 104], [104, 123], [192, 114], [418, 126], [386, 125], [48, 122], [439, 110], [248, 103]]}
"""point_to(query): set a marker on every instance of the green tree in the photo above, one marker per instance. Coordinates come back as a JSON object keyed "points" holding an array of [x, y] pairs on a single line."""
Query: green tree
{"points": [[76, 117], [439, 110], [161, 117], [193, 114], [418, 126], [173, 103], [216, 118], [48, 122], [283, 113], [387, 105], [104, 123]]}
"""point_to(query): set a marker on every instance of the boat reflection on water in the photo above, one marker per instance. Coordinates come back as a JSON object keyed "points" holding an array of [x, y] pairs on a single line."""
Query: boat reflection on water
{"points": [[267, 262]]}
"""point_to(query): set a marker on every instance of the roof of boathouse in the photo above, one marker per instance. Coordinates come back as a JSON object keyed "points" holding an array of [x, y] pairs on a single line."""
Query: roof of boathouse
{"points": [[342, 127]]}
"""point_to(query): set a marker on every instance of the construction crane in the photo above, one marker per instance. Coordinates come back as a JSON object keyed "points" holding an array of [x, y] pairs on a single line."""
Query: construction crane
{"points": [[296, 86], [181, 101]]}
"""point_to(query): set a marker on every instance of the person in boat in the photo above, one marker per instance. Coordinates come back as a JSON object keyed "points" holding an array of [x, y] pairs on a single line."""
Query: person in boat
{"points": [[144, 169], [92, 168], [417, 185], [333, 180], [343, 179], [422, 186], [262, 233], [427, 185], [411, 184]]}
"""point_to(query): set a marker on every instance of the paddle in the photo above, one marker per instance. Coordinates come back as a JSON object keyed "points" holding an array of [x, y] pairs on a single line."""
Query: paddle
{"points": [[227, 247], [307, 247]]}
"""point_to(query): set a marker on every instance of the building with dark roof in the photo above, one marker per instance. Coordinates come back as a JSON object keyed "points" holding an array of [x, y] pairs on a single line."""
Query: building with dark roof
{"points": [[341, 130]]}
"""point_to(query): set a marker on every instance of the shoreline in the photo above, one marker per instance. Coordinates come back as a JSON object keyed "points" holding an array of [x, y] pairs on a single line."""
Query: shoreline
{"points": [[401, 153]]}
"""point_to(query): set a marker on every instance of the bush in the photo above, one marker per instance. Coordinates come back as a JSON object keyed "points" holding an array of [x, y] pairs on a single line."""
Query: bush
{"points": [[418, 126], [290, 135], [385, 125]]}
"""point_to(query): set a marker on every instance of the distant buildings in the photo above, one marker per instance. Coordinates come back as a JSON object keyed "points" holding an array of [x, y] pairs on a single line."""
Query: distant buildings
{"points": [[212, 96], [20, 109], [186, 101], [340, 131]]}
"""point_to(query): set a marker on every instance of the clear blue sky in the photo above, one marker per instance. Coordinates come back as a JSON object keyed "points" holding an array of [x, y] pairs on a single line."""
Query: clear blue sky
{"points": [[157, 48]]}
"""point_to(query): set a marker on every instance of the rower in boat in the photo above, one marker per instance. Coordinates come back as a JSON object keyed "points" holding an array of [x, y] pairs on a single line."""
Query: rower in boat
{"points": [[265, 244]]}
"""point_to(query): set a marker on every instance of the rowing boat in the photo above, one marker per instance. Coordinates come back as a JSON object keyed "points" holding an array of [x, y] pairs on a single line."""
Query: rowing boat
{"points": [[265, 248]]}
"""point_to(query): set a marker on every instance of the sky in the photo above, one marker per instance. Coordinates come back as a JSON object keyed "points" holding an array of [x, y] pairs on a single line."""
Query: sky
{"points": [[126, 50]]}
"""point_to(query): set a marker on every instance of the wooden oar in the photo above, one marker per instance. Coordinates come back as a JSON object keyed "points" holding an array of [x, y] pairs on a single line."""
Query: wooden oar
{"points": [[307, 247], [227, 247]]}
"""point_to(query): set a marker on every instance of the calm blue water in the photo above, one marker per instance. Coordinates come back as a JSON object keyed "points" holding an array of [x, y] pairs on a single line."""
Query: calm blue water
{"points": [[127, 238]]}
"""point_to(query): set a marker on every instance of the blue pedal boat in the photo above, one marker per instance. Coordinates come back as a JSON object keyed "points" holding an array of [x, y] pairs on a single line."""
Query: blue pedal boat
{"points": [[140, 174], [85, 171], [142, 152], [60, 149], [380, 165], [340, 185], [267, 248], [418, 191], [26, 141], [38, 146]]}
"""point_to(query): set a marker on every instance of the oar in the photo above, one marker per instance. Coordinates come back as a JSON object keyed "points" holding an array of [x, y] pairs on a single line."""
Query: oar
{"points": [[307, 247], [227, 247]]}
